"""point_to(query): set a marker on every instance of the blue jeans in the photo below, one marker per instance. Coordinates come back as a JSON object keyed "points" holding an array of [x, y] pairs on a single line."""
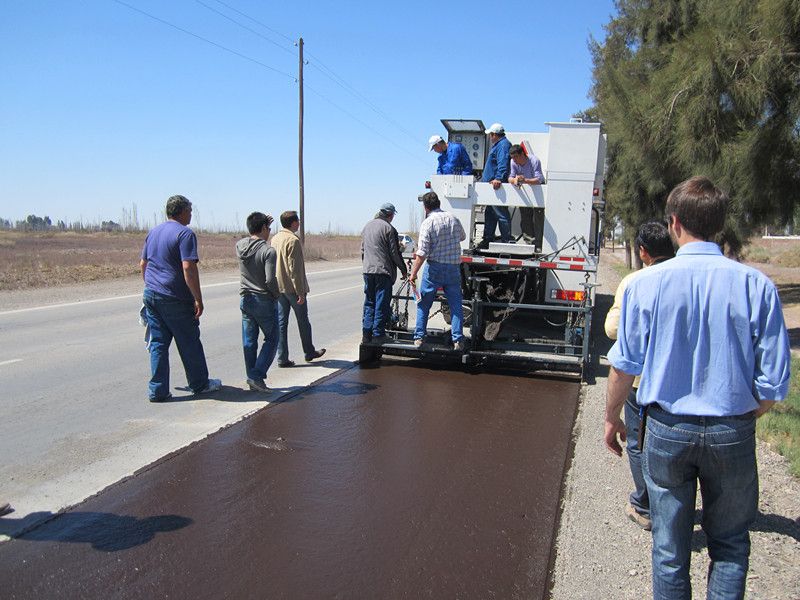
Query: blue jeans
{"points": [[440, 275], [377, 303], [169, 318], [633, 422], [720, 453], [259, 313], [492, 216], [285, 303]]}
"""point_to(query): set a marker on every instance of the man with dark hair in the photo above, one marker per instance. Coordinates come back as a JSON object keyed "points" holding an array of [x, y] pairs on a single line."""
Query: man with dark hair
{"points": [[496, 172], [527, 170], [293, 286], [173, 301], [453, 157], [440, 238], [258, 300], [654, 246], [380, 254], [708, 338]]}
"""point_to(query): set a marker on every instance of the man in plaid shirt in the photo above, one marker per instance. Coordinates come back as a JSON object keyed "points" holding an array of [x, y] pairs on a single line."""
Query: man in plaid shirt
{"points": [[440, 240]]}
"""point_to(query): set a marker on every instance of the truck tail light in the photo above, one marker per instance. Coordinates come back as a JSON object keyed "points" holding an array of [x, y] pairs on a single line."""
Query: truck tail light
{"points": [[427, 185], [596, 192], [568, 295]]}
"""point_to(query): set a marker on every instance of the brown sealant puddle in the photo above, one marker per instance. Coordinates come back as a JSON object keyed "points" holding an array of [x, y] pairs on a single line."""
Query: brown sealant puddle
{"points": [[398, 482]]}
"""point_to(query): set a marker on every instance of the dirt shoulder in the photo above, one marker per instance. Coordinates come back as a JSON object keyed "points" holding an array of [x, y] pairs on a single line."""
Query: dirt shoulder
{"points": [[601, 554]]}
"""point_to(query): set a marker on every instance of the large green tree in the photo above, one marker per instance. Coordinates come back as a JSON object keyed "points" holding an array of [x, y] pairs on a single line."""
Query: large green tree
{"points": [[712, 87]]}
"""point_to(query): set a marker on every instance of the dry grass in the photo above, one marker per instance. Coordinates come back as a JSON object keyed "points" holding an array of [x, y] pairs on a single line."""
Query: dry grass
{"points": [[34, 260], [784, 253]]}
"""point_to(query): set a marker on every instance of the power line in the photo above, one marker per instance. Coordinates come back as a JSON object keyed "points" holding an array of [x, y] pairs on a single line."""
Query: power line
{"points": [[315, 62], [266, 66], [264, 25], [200, 37], [243, 26], [355, 118]]}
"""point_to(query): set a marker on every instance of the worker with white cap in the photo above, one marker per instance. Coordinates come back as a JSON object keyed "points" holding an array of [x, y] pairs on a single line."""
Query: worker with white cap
{"points": [[496, 170], [453, 157]]}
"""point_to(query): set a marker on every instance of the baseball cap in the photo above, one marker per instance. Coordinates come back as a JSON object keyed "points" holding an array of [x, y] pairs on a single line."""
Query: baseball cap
{"points": [[388, 208], [496, 128], [434, 139]]}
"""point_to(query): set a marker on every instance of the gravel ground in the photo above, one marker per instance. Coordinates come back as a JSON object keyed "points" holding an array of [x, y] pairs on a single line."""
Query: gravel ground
{"points": [[601, 554]]}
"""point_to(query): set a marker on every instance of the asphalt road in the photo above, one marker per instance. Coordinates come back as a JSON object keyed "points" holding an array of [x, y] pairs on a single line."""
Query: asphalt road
{"points": [[74, 415], [403, 481]]}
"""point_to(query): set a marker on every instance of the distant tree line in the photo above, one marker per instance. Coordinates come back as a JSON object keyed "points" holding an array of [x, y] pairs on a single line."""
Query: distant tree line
{"points": [[37, 223], [711, 87]]}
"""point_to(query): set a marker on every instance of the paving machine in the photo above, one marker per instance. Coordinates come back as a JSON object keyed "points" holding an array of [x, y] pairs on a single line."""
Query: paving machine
{"points": [[527, 304]]}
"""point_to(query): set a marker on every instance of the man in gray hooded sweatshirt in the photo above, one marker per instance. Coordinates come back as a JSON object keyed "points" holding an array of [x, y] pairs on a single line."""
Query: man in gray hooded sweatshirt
{"points": [[259, 293]]}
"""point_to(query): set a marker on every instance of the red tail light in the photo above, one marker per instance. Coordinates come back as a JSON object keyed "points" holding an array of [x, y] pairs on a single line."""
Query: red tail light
{"points": [[427, 185], [568, 295], [596, 192]]}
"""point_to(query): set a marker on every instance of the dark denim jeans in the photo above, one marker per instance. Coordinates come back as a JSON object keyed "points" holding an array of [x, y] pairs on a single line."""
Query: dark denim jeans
{"points": [[259, 313], [377, 303], [170, 318], [492, 216], [434, 276], [719, 452], [288, 302], [633, 422]]}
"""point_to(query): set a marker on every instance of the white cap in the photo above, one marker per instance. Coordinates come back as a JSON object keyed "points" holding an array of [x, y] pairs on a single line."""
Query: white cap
{"points": [[496, 128], [434, 139]]}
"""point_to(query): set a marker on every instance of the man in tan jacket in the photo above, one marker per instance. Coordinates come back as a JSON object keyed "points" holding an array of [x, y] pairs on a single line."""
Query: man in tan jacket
{"points": [[291, 274]]}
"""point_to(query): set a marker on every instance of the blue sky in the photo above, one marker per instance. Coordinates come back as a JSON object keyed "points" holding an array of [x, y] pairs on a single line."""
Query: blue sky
{"points": [[103, 107]]}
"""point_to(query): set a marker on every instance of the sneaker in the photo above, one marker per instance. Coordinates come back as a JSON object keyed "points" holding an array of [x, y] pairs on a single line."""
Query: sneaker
{"points": [[258, 385], [5, 508], [317, 354], [166, 398], [213, 385], [286, 364], [639, 519], [460, 346], [418, 342]]}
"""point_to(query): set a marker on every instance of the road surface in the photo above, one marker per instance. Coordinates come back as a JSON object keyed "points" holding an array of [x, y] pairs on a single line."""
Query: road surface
{"points": [[74, 415]]}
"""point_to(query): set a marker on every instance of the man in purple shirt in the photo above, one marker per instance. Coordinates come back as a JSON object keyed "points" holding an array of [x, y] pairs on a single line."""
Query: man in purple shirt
{"points": [[527, 170], [173, 301]]}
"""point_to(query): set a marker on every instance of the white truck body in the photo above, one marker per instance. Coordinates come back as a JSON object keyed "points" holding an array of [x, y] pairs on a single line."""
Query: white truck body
{"points": [[526, 305]]}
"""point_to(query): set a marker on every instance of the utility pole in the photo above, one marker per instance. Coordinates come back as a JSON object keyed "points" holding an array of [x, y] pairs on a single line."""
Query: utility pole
{"points": [[300, 149]]}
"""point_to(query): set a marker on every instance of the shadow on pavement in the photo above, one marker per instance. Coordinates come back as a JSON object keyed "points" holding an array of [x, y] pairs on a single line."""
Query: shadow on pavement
{"points": [[106, 532]]}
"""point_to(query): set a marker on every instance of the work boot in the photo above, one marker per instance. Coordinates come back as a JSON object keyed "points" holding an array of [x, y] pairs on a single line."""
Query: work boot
{"points": [[258, 385], [638, 518], [316, 354]]}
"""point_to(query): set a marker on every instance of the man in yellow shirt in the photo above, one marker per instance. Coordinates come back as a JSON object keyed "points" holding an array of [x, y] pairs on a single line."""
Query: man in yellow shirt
{"points": [[654, 246], [290, 272]]}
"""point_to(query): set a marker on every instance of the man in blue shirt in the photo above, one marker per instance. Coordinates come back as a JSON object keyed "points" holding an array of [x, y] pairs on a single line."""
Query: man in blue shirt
{"points": [[496, 172], [707, 336], [173, 301], [453, 157]]}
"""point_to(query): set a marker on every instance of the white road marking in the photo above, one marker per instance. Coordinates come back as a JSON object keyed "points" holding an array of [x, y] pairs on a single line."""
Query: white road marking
{"points": [[9, 362], [139, 295], [354, 287]]}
